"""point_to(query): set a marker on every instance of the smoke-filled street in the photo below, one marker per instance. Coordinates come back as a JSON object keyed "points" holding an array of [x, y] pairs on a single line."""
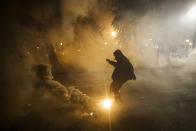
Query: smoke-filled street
{"points": [[98, 65], [160, 99]]}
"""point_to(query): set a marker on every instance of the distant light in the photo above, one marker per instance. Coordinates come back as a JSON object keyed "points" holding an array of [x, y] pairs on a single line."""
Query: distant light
{"points": [[37, 47], [187, 40], [156, 46], [61, 43], [113, 33], [91, 114], [192, 13], [190, 44], [107, 103], [105, 43]]}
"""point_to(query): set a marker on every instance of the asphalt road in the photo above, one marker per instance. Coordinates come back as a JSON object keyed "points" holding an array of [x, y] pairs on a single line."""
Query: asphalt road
{"points": [[160, 99]]}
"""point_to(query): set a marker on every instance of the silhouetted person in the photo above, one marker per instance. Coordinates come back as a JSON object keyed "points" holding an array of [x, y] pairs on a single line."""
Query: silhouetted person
{"points": [[123, 71]]}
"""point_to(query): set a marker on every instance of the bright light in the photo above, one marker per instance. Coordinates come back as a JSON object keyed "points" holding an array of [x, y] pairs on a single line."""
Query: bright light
{"points": [[91, 114], [61, 43], [113, 33], [107, 103], [190, 44], [192, 13], [187, 40]]}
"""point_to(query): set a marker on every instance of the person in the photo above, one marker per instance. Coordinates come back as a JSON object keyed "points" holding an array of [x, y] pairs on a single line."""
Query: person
{"points": [[123, 71]]}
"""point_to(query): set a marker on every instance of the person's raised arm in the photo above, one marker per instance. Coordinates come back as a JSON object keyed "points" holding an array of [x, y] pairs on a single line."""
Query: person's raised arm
{"points": [[111, 62]]}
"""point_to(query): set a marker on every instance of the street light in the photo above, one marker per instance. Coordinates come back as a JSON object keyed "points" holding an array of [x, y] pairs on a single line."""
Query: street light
{"points": [[192, 13], [113, 33]]}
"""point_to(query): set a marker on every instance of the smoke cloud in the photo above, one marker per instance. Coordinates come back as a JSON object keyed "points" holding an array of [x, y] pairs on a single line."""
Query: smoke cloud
{"points": [[73, 35], [56, 33]]}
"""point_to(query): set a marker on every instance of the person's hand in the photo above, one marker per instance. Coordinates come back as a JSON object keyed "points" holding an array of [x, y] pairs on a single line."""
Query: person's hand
{"points": [[108, 60]]}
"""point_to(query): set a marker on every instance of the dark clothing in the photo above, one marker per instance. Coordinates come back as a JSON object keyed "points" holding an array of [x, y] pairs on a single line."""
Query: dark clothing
{"points": [[123, 71]]}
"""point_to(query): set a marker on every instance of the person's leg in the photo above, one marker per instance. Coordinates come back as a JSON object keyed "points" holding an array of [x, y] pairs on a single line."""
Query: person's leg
{"points": [[117, 95], [117, 91], [114, 90]]}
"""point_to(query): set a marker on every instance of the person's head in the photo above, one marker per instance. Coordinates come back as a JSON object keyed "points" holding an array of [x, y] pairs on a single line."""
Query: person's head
{"points": [[118, 54]]}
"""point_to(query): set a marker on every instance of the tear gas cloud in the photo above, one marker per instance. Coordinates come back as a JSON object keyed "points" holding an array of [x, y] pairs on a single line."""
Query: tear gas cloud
{"points": [[85, 29], [65, 27], [80, 35], [154, 31]]}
